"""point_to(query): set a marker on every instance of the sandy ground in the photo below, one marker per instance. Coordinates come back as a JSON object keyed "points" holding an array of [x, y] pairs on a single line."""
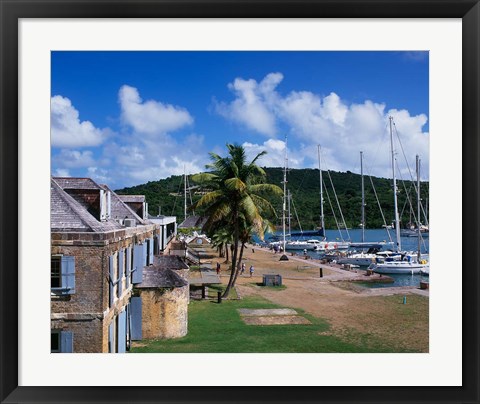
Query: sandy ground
{"points": [[345, 305]]}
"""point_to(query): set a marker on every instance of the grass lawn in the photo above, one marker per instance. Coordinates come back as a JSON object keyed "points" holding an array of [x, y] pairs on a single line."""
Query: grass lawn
{"points": [[217, 328]]}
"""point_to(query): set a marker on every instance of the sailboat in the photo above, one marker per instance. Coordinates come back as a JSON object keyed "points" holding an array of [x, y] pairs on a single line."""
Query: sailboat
{"points": [[361, 258], [409, 263], [325, 245], [312, 244], [284, 243]]}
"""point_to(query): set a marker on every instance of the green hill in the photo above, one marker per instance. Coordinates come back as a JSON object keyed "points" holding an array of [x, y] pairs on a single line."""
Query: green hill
{"points": [[167, 194]]}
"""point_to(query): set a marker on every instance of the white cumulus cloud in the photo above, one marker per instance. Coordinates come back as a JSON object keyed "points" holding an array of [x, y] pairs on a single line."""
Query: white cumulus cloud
{"points": [[146, 151], [342, 129], [275, 156], [66, 128], [150, 117], [251, 106], [61, 172], [99, 175], [73, 158]]}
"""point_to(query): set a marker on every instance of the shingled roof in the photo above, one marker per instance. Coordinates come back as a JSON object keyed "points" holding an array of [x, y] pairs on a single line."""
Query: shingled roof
{"points": [[193, 221], [155, 277], [132, 198], [76, 183], [169, 262], [66, 214]]}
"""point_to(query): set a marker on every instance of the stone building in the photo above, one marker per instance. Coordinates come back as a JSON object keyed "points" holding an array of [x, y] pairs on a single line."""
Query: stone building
{"points": [[137, 203], [161, 300], [99, 249], [168, 229]]}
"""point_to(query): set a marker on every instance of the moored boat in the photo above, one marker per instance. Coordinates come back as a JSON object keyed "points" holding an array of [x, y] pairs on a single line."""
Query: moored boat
{"points": [[309, 245], [408, 263], [401, 267], [361, 259]]}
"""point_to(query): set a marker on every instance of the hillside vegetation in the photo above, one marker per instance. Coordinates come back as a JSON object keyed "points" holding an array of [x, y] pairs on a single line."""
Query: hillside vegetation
{"points": [[166, 196]]}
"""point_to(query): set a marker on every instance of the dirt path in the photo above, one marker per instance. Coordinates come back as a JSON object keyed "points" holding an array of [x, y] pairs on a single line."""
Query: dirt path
{"points": [[349, 308]]}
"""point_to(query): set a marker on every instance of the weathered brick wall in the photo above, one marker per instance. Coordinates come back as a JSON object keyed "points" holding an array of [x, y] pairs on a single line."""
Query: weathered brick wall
{"points": [[89, 281], [89, 198], [137, 207], [87, 312], [87, 335], [164, 312]]}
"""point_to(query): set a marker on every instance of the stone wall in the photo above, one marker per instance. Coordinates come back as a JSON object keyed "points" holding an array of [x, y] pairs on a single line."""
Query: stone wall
{"points": [[87, 334], [86, 312], [164, 312], [90, 198]]}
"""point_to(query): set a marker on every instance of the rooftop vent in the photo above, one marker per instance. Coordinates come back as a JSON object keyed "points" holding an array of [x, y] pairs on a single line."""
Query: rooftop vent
{"points": [[129, 222]]}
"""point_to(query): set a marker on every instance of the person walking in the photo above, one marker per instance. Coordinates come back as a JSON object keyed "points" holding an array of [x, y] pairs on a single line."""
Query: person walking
{"points": [[252, 269], [242, 270], [218, 268]]}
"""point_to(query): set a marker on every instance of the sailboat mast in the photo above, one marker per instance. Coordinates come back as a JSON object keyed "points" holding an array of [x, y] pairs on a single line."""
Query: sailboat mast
{"points": [[184, 193], [284, 194], [395, 203], [322, 219], [363, 198], [289, 213], [418, 209]]}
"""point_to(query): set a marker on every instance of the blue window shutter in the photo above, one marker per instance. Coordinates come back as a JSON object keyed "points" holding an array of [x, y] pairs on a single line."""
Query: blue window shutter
{"points": [[111, 280], [127, 266], [66, 341], [121, 256], [155, 245], [138, 262], [129, 327], [150, 250], [145, 257], [68, 275], [122, 332], [111, 336], [136, 318]]}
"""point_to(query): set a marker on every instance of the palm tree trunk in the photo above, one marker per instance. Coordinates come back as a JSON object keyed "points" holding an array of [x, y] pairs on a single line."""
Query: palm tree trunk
{"points": [[239, 265], [236, 237]]}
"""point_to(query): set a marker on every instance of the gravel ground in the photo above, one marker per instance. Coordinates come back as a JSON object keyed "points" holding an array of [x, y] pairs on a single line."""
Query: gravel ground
{"points": [[349, 308]]}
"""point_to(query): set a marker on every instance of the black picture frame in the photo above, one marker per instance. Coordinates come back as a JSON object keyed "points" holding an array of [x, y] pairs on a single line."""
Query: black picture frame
{"points": [[12, 10]]}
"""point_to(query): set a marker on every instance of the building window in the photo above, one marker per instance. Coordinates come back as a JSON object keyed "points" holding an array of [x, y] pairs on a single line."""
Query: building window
{"points": [[119, 265], [61, 341], [55, 341], [62, 275], [56, 280]]}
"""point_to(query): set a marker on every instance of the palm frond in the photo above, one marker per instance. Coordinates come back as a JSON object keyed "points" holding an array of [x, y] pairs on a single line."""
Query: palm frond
{"points": [[264, 205], [266, 188], [204, 178], [235, 185], [209, 198]]}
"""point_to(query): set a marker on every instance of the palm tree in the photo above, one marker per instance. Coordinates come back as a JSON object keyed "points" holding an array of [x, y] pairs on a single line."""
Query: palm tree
{"points": [[221, 239], [237, 200]]}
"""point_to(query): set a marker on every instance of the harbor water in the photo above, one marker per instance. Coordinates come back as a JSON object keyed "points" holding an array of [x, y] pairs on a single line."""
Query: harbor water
{"points": [[377, 235]]}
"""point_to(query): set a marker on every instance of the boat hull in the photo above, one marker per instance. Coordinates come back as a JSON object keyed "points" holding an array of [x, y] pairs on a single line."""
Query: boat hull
{"points": [[400, 267], [361, 261], [327, 246], [300, 246]]}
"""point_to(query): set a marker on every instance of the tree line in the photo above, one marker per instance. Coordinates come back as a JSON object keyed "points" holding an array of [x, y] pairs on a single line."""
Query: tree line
{"points": [[166, 196]]}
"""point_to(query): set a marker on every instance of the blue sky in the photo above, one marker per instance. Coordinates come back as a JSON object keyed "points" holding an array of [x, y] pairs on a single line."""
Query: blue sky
{"points": [[126, 118]]}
